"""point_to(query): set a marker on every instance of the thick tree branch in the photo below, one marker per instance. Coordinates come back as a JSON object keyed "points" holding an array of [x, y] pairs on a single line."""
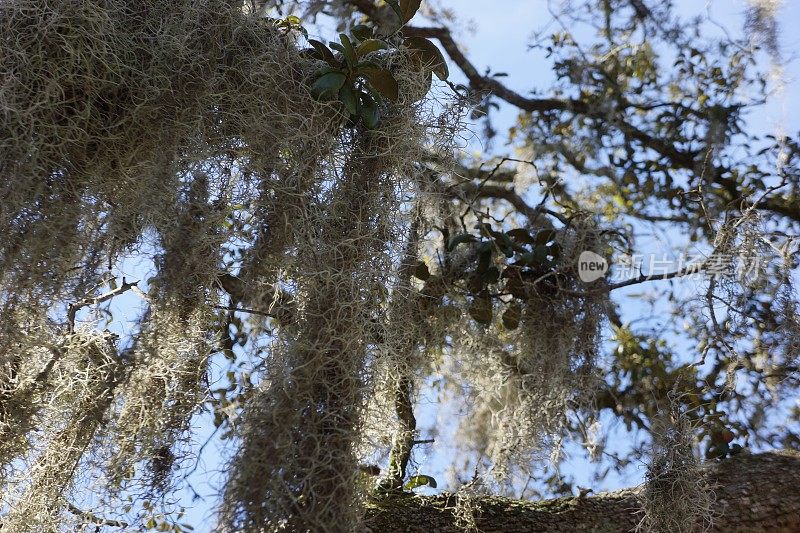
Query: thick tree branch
{"points": [[753, 493], [483, 83], [404, 438]]}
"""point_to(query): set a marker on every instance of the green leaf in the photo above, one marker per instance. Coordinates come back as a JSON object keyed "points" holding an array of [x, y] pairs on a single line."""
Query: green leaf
{"points": [[540, 254], [369, 110], [324, 52], [718, 451], [396, 8], [491, 275], [369, 46], [544, 236], [485, 246], [536, 258], [512, 316], [349, 51], [382, 81], [421, 271], [348, 98], [362, 32], [514, 283], [460, 239], [484, 257], [312, 53], [328, 84], [521, 235], [555, 251], [429, 55], [485, 229], [419, 481], [409, 8], [507, 245], [481, 309], [428, 82], [362, 65]]}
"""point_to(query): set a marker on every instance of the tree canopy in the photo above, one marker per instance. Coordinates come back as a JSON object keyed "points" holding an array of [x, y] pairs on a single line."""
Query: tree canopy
{"points": [[315, 255]]}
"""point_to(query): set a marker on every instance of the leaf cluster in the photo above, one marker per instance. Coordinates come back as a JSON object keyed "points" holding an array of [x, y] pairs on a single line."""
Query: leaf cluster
{"points": [[355, 74]]}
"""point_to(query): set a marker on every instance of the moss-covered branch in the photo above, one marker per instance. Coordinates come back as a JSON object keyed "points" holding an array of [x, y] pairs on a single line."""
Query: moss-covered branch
{"points": [[753, 493]]}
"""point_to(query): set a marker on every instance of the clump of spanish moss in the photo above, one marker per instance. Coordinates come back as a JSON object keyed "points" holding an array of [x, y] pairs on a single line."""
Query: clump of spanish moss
{"points": [[167, 384], [528, 379], [676, 496], [132, 124], [106, 110], [28, 351], [751, 269], [90, 372], [302, 432], [188, 129], [762, 25], [466, 507]]}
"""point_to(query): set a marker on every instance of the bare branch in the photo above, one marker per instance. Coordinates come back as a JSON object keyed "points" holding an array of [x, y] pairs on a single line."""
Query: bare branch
{"points": [[90, 517], [94, 300]]}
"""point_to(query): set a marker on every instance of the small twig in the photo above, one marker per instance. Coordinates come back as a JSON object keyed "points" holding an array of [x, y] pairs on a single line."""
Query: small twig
{"points": [[489, 176], [90, 517], [281, 308], [94, 300], [245, 310], [200, 452], [689, 269]]}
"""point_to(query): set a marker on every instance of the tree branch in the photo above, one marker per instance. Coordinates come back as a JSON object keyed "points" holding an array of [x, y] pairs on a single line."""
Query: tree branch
{"points": [[282, 307], [753, 493], [94, 300], [94, 519], [679, 158], [404, 438]]}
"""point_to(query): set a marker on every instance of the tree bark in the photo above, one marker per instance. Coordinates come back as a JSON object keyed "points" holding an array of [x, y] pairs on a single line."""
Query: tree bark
{"points": [[753, 493]]}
